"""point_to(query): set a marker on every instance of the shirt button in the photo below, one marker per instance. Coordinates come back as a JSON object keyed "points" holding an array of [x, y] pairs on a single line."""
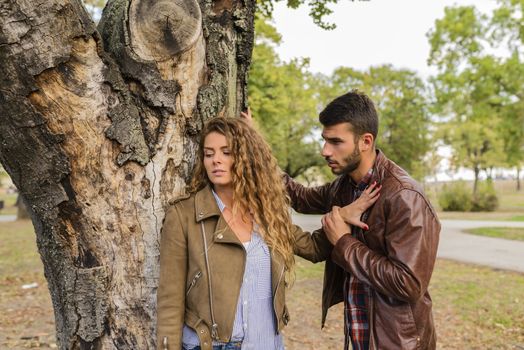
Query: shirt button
{"points": [[202, 331], [220, 236], [245, 302], [200, 214]]}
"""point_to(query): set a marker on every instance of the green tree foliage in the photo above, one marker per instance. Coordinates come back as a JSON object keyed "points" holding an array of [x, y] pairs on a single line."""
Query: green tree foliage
{"points": [[508, 31], [94, 7], [478, 94], [463, 89], [401, 100], [281, 98], [318, 9]]}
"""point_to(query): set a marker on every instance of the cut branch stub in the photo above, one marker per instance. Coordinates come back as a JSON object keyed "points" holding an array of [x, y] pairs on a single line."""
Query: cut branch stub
{"points": [[161, 29]]}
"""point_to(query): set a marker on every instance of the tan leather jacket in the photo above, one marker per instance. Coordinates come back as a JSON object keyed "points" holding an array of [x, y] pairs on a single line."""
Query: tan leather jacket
{"points": [[188, 294], [395, 257]]}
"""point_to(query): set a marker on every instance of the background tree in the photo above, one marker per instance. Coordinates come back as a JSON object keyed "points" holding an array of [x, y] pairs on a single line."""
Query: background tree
{"points": [[466, 90], [282, 100], [507, 33]]}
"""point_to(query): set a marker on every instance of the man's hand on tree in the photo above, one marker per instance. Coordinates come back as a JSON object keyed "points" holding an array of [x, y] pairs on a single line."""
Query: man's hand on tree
{"points": [[247, 116]]}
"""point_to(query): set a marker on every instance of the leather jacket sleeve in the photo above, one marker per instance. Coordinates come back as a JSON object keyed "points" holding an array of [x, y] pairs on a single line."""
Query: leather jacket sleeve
{"points": [[308, 200], [411, 232], [314, 247], [171, 289]]}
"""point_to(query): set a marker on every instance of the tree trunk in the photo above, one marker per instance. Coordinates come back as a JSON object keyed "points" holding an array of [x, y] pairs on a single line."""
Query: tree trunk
{"points": [[476, 170], [99, 131], [518, 178], [21, 209]]}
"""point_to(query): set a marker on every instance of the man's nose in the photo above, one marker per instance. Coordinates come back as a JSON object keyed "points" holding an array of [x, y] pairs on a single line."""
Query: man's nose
{"points": [[326, 150]]}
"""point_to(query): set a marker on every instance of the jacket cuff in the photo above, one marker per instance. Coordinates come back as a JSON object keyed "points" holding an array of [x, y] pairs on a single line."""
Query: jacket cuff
{"points": [[339, 250]]}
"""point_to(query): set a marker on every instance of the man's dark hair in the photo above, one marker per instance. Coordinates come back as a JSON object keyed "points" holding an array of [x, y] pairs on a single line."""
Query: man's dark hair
{"points": [[355, 108]]}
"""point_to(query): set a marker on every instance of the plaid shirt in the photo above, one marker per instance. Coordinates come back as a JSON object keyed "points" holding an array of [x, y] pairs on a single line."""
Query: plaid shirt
{"points": [[356, 323]]}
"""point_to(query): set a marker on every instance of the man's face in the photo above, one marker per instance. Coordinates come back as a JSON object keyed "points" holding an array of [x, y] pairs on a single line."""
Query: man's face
{"points": [[340, 148]]}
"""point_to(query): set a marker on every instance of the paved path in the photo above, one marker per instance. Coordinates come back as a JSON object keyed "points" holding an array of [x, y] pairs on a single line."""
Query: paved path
{"points": [[7, 218], [455, 245]]}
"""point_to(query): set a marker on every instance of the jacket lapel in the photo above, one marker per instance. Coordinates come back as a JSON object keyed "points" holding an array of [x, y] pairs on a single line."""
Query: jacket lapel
{"points": [[205, 208]]}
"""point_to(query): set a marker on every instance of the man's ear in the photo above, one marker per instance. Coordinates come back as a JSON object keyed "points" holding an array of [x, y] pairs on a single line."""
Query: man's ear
{"points": [[366, 142]]}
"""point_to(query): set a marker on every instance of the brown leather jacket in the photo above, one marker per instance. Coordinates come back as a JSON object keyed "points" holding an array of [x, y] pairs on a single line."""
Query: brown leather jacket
{"points": [[185, 294], [395, 257]]}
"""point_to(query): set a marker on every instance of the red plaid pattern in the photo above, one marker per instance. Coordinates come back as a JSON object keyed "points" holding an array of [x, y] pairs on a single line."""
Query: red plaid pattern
{"points": [[356, 322]]}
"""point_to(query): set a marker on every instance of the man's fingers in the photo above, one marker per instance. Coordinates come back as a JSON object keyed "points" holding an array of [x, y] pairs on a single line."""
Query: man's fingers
{"points": [[247, 114]]}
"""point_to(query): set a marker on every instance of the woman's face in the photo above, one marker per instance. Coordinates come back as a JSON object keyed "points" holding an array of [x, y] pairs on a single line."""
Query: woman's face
{"points": [[218, 160]]}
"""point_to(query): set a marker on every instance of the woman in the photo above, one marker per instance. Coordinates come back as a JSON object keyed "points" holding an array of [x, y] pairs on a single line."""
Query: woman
{"points": [[227, 249]]}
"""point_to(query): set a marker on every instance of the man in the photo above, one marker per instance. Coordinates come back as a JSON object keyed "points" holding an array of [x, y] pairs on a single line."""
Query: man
{"points": [[382, 273]]}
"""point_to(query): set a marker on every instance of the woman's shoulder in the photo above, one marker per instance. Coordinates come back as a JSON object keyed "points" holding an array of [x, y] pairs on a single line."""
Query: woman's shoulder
{"points": [[186, 203], [182, 202], [180, 198]]}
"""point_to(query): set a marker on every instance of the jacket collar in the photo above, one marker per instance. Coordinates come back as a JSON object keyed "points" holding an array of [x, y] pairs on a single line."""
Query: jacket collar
{"points": [[378, 167], [205, 204]]}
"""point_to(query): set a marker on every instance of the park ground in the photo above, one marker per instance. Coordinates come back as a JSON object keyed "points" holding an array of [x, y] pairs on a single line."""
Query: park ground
{"points": [[474, 307]]}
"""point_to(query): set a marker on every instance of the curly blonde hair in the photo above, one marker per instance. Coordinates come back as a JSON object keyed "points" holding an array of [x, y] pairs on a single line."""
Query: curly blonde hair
{"points": [[257, 183]]}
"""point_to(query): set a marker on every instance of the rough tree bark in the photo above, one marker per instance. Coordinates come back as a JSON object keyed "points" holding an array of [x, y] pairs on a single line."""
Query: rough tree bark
{"points": [[98, 130]]}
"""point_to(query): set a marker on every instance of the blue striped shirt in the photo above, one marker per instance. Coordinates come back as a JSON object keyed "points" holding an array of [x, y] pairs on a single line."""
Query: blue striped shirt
{"points": [[254, 320]]}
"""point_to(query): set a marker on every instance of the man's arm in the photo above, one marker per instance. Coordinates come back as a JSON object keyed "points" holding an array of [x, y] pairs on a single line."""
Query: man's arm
{"points": [[314, 247], [308, 200], [411, 237]]}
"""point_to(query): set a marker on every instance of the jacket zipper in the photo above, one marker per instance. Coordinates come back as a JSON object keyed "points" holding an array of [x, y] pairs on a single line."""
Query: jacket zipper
{"points": [[214, 326], [274, 295], [193, 282]]}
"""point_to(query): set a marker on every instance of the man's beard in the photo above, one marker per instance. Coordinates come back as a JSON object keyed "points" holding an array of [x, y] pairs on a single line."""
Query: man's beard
{"points": [[353, 161]]}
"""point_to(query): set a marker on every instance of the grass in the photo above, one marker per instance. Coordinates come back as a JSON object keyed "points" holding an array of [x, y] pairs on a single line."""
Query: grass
{"points": [[9, 203], [474, 307], [478, 307], [26, 319], [513, 233], [18, 249], [517, 218]]}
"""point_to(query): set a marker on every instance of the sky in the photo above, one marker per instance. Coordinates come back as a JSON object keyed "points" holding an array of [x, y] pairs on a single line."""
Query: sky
{"points": [[370, 33]]}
